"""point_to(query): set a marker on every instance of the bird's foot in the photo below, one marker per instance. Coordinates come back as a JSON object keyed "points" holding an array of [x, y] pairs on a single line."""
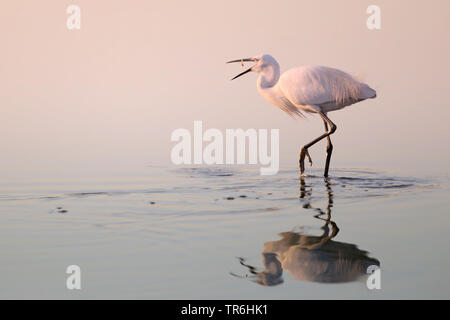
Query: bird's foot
{"points": [[309, 157], [304, 153]]}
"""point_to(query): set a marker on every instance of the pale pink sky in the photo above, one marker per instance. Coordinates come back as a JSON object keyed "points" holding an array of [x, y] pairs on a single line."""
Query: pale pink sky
{"points": [[109, 95]]}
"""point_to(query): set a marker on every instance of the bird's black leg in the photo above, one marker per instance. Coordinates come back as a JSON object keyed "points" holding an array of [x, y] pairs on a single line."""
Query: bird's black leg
{"points": [[329, 151], [304, 150]]}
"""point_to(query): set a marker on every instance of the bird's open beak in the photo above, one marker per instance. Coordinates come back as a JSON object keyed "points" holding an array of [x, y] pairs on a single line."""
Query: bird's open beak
{"points": [[242, 73], [242, 61]]}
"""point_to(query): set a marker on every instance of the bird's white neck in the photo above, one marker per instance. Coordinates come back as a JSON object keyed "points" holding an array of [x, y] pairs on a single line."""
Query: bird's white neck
{"points": [[268, 76]]}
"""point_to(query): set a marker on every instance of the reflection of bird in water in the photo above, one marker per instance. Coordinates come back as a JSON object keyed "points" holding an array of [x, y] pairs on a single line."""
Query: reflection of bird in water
{"points": [[312, 258]]}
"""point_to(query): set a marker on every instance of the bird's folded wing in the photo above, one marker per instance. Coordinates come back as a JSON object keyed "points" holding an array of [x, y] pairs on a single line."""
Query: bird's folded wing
{"points": [[317, 85]]}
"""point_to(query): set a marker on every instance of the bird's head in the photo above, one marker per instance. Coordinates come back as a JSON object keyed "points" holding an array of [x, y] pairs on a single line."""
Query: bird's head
{"points": [[262, 62]]}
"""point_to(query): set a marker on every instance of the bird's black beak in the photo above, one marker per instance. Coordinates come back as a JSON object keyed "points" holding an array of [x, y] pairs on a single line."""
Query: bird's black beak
{"points": [[242, 61], [242, 73]]}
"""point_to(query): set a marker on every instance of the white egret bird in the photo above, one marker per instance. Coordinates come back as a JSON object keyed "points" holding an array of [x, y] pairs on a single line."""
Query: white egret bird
{"points": [[311, 89]]}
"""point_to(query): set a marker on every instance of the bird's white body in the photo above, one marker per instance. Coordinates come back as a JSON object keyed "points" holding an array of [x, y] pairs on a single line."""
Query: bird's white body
{"points": [[314, 89], [310, 88]]}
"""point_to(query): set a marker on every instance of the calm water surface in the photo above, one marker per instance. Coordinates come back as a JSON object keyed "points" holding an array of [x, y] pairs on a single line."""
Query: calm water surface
{"points": [[215, 233]]}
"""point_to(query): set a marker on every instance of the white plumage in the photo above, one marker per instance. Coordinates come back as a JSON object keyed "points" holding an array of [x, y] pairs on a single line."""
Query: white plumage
{"points": [[328, 88], [313, 89], [308, 88]]}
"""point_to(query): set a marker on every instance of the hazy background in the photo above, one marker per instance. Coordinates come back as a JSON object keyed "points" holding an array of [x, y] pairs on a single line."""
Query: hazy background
{"points": [[105, 99]]}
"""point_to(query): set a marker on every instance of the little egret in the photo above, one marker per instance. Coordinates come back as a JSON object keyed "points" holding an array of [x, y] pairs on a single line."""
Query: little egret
{"points": [[311, 89]]}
